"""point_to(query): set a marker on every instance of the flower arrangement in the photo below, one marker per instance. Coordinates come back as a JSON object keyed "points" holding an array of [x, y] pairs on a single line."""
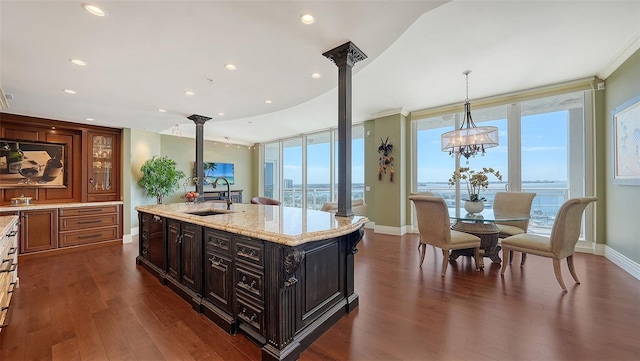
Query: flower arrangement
{"points": [[476, 181]]}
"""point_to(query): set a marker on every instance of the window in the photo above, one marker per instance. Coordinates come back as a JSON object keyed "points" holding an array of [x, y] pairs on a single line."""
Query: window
{"points": [[307, 167], [542, 150]]}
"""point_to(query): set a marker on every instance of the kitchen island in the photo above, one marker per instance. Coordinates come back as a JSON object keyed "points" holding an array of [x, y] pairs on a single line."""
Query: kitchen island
{"points": [[280, 275]]}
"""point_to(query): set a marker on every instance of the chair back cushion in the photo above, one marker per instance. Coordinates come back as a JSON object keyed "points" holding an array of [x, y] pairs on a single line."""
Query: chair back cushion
{"points": [[514, 202], [566, 227], [265, 200], [433, 220]]}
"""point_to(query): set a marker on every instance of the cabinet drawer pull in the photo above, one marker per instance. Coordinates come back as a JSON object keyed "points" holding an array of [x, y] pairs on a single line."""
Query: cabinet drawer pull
{"points": [[12, 250], [4, 309], [13, 287], [89, 210], [88, 222], [12, 233], [157, 218], [11, 268], [215, 261], [90, 236]]}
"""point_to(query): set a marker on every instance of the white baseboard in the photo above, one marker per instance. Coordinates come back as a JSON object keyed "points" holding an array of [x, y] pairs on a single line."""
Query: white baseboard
{"points": [[394, 231], [370, 225], [135, 230], [622, 261], [127, 238]]}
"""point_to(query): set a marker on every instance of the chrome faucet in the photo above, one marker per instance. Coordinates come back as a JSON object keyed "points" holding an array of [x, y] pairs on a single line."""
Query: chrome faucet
{"points": [[215, 183]]}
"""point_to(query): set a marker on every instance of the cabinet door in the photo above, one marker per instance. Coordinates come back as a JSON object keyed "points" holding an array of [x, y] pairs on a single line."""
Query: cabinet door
{"points": [[191, 257], [157, 253], [173, 254], [38, 230], [103, 167], [218, 269]]}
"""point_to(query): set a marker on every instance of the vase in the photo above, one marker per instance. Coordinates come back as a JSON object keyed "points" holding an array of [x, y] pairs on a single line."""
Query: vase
{"points": [[473, 207]]}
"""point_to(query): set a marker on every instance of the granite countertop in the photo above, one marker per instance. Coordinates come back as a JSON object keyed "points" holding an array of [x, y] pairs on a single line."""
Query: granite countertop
{"points": [[26, 207], [5, 222], [284, 225]]}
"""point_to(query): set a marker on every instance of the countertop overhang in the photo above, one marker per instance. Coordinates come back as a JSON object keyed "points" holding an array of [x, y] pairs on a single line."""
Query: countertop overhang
{"points": [[283, 225]]}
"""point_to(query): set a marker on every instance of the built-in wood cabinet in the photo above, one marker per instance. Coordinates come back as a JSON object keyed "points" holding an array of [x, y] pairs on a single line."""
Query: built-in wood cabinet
{"points": [[91, 159], [83, 225], [152, 252], [38, 230], [282, 297], [8, 267], [103, 170], [184, 243]]}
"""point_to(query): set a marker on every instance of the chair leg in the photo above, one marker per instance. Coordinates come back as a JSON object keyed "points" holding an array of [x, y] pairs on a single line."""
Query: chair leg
{"points": [[556, 270], [423, 251], [510, 256], [523, 259], [572, 269], [476, 254], [507, 260], [445, 261]]}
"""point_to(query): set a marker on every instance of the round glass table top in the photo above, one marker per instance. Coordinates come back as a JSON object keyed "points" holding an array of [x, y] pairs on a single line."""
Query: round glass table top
{"points": [[487, 215]]}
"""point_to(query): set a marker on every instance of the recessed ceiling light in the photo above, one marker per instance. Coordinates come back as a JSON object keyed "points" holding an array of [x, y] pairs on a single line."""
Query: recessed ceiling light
{"points": [[307, 19], [268, 101], [89, 119], [220, 113], [189, 93], [230, 67], [162, 110], [78, 62], [69, 91], [316, 75], [93, 9]]}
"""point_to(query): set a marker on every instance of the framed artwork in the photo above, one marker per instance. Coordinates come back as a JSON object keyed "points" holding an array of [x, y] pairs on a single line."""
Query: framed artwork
{"points": [[25, 164], [626, 142]]}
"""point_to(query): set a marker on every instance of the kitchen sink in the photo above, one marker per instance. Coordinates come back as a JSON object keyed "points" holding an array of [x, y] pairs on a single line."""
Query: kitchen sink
{"points": [[210, 212]]}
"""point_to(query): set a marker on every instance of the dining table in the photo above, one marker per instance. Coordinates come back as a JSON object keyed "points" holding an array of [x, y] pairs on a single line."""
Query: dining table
{"points": [[482, 225]]}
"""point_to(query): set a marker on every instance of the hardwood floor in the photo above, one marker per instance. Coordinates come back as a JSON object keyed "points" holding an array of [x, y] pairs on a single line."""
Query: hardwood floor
{"points": [[97, 305]]}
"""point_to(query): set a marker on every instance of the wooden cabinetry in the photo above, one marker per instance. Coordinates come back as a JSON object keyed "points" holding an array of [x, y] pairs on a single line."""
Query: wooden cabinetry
{"points": [[9, 266], [38, 230], [218, 278], [249, 287], [103, 170], [184, 253], [152, 252], [82, 225], [236, 196]]}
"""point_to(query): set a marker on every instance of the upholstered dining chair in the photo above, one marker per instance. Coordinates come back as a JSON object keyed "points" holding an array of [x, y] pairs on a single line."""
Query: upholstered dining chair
{"points": [[519, 202], [265, 200], [435, 229], [562, 242]]}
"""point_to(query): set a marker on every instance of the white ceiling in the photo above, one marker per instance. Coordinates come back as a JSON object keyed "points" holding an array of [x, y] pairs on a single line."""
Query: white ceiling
{"points": [[144, 54]]}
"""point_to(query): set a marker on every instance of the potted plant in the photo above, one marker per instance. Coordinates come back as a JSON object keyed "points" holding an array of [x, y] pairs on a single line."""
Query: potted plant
{"points": [[476, 182], [160, 177]]}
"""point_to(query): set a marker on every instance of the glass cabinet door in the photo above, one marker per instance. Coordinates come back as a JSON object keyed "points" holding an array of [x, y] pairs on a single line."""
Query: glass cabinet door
{"points": [[102, 152]]}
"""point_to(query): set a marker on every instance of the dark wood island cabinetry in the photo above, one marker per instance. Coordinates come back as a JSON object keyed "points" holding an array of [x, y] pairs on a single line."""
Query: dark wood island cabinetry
{"points": [[248, 270]]}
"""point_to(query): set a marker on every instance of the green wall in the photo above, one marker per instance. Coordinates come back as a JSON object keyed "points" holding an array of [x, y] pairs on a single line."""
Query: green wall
{"points": [[622, 226], [142, 145]]}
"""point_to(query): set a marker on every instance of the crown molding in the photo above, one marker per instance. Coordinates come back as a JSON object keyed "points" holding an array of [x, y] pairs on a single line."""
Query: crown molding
{"points": [[621, 57], [388, 112]]}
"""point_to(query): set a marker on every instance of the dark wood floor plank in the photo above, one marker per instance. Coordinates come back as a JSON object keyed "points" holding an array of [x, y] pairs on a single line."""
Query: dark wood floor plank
{"points": [[98, 305]]}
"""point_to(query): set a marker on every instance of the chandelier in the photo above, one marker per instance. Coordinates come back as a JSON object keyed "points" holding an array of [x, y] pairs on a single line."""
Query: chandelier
{"points": [[469, 139]]}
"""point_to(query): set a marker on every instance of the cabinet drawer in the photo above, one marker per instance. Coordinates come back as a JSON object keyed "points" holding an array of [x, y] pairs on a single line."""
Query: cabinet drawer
{"points": [[74, 238], [217, 242], [250, 314], [69, 223], [251, 252], [249, 282], [84, 211]]}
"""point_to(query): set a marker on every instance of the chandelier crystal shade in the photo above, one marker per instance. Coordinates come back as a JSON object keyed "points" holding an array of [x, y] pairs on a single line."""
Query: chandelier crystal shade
{"points": [[469, 139]]}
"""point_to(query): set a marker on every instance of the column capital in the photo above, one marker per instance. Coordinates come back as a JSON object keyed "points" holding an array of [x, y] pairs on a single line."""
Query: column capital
{"points": [[198, 119], [345, 54]]}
